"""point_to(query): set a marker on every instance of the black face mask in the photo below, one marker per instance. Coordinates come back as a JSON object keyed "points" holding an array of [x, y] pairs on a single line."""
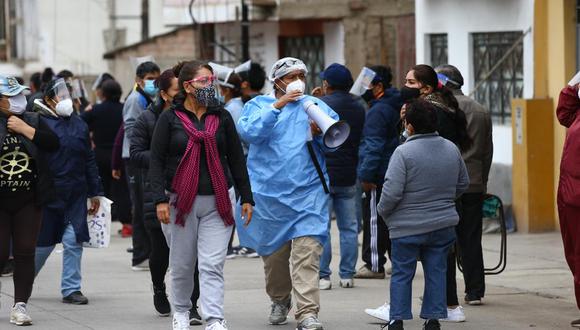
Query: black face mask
{"points": [[409, 93], [368, 95]]}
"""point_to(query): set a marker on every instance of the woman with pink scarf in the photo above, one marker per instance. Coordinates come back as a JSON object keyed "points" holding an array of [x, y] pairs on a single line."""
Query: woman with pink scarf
{"points": [[196, 159]]}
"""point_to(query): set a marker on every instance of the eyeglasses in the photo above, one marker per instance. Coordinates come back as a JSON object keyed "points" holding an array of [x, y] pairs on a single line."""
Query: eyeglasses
{"points": [[287, 63], [203, 81]]}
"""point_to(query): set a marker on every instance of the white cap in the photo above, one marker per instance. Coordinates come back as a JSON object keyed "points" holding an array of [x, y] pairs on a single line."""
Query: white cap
{"points": [[286, 65]]}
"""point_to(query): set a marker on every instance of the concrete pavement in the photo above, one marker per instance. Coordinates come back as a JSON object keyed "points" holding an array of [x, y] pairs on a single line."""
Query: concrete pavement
{"points": [[534, 292]]}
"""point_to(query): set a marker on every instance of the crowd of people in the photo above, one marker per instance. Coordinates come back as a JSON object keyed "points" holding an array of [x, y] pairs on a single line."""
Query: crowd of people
{"points": [[188, 156]]}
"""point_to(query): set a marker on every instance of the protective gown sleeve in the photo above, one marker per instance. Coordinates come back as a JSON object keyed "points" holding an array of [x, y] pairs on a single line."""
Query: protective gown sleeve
{"points": [[257, 121]]}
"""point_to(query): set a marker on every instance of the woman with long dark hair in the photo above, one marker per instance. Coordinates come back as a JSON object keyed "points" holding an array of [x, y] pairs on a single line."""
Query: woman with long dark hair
{"points": [[140, 156], [196, 159], [421, 81]]}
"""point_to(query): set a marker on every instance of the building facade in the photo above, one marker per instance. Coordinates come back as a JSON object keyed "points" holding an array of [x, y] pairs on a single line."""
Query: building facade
{"points": [[510, 50]]}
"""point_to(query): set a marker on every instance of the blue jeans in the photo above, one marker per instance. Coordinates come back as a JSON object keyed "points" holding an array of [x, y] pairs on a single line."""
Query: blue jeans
{"points": [[71, 261], [432, 248], [343, 201]]}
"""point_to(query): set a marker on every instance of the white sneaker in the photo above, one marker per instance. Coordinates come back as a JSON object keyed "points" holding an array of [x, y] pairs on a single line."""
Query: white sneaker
{"points": [[381, 313], [454, 315], [324, 284], [181, 321], [220, 325], [19, 315], [142, 267], [347, 283]]}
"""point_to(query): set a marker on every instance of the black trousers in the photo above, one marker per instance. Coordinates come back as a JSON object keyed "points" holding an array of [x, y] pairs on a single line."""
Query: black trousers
{"points": [[20, 223], [469, 231], [141, 240], [159, 262], [376, 241]]}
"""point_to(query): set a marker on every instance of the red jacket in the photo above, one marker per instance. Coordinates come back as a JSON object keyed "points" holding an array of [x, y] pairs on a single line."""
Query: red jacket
{"points": [[568, 113]]}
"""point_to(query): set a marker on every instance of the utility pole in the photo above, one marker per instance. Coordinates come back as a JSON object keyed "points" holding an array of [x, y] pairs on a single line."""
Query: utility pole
{"points": [[144, 19], [245, 32]]}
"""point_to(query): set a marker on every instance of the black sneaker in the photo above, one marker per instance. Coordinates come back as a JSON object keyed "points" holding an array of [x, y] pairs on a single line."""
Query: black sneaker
{"points": [[432, 325], [194, 318], [75, 298], [160, 302], [232, 252], [8, 268], [472, 300], [394, 325], [247, 253], [575, 324]]}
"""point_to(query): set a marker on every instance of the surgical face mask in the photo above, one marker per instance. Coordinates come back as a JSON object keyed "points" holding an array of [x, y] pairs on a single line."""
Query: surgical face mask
{"points": [[409, 93], [64, 108], [222, 98], [150, 88], [296, 85], [17, 104], [579, 93], [206, 96]]}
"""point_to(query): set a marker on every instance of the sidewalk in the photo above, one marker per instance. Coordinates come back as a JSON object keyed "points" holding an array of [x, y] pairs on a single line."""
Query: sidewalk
{"points": [[534, 292]]}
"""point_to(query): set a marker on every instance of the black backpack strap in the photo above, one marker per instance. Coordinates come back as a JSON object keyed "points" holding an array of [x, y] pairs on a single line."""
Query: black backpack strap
{"points": [[317, 165]]}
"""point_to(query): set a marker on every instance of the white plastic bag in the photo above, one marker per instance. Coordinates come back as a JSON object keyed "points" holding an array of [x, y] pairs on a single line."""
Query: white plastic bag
{"points": [[99, 225]]}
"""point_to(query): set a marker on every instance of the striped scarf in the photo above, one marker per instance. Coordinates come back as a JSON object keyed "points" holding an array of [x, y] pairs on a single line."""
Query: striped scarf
{"points": [[186, 180]]}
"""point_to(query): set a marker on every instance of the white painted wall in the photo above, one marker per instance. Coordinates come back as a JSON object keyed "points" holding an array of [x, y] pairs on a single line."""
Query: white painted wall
{"points": [[459, 19], [69, 34], [333, 43], [263, 42]]}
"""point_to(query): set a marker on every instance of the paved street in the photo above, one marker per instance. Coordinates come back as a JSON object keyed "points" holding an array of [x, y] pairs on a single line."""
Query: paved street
{"points": [[534, 292]]}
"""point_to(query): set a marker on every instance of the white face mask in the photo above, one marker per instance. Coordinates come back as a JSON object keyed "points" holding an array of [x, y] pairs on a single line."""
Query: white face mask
{"points": [[296, 85], [64, 108], [17, 104]]}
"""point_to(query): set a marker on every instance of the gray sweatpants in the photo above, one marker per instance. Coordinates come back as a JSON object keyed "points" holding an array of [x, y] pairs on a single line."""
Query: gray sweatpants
{"points": [[204, 239]]}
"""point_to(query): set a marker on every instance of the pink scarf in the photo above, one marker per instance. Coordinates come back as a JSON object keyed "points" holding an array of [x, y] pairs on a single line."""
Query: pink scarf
{"points": [[186, 180]]}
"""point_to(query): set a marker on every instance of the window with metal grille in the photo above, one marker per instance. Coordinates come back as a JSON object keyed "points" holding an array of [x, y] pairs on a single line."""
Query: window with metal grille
{"points": [[309, 49], [438, 43], [505, 82]]}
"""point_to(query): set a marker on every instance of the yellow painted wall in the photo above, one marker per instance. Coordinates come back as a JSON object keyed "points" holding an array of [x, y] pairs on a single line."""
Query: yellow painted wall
{"points": [[554, 62]]}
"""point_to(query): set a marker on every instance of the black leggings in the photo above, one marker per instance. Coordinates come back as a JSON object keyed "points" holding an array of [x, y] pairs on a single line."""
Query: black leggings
{"points": [[20, 223], [159, 262]]}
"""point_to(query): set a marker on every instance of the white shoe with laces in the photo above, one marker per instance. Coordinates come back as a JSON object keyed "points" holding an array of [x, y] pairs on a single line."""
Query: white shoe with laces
{"points": [[181, 321], [347, 283], [382, 313], [219, 325], [19, 315], [454, 315], [324, 284]]}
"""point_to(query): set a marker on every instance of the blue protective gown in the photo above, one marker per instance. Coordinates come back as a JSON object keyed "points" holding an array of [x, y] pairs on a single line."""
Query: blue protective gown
{"points": [[290, 199]]}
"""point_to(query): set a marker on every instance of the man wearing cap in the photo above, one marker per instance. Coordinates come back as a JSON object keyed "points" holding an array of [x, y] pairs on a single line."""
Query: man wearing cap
{"points": [[380, 139], [290, 223], [478, 160], [341, 164]]}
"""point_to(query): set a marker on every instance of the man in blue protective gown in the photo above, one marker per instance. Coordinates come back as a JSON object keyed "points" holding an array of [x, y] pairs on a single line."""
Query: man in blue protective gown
{"points": [[290, 223]]}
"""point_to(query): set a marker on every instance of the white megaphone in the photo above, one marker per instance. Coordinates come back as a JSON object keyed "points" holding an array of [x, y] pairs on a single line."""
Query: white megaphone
{"points": [[334, 132]]}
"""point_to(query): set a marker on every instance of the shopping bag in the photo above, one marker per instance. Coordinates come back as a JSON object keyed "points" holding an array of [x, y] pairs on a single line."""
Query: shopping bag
{"points": [[100, 225]]}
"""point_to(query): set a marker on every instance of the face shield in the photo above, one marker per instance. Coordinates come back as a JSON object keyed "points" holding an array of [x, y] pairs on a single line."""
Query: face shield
{"points": [[61, 98], [78, 89], [363, 81]]}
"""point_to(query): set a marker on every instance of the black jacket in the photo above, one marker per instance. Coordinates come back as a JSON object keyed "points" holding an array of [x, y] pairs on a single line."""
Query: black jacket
{"points": [[342, 163], [168, 146], [44, 141], [140, 155], [104, 121]]}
